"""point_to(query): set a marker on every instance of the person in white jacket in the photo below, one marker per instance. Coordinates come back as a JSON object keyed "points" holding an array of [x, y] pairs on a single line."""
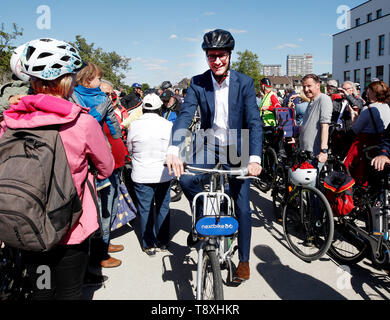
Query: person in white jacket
{"points": [[147, 142]]}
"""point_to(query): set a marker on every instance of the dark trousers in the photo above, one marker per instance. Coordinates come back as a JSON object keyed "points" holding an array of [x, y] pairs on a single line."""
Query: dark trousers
{"points": [[239, 190], [149, 197], [59, 273]]}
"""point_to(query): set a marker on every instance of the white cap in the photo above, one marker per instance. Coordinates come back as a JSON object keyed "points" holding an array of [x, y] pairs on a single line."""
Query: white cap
{"points": [[152, 102]]}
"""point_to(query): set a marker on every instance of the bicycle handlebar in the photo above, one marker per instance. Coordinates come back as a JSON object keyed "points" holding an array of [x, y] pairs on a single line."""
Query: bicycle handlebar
{"points": [[234, 172]]}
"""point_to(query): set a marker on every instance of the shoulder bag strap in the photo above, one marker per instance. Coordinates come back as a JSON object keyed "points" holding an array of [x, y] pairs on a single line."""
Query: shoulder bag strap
{"points": [[373, 120]]}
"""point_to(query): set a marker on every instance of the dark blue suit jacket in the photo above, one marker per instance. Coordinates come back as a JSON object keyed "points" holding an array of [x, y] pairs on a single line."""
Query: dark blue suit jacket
{"points": [[243, 110]]}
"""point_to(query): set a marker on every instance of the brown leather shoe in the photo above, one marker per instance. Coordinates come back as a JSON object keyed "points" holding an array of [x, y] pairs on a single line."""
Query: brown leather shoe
{"points": [[111, 263], [243, 272], [115, 248]]}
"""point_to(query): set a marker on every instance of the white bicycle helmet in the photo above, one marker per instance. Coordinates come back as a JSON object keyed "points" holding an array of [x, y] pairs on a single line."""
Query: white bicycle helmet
{"points": [[16, 65], [49, 59], [303, 177]]}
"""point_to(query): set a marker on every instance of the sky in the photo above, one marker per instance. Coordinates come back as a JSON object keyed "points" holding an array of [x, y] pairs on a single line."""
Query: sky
{"points": [[163, 38]]}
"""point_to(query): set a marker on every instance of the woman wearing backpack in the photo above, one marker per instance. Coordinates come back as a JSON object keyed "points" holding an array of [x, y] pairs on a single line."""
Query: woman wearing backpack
{"points": [[52, 66]]}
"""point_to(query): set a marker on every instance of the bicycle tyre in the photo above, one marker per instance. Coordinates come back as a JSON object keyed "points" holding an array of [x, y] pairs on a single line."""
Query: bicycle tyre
{"points": [[176, 191], [309, 240], [211, 272], [279, 192], [348, 247], [268, 176]]}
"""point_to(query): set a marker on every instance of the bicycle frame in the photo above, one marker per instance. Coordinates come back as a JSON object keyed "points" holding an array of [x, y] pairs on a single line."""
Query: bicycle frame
{"points": [[212, 201]]}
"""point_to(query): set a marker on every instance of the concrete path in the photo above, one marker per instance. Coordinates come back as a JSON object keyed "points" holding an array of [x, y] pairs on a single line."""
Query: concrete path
{"points": [[276, 273]]}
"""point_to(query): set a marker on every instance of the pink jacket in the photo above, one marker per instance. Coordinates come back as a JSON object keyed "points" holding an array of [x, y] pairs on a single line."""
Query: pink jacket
{"points": [[83, 141]]}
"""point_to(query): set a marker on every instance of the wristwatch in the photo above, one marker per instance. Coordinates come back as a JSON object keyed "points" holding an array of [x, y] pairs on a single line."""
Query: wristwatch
{"points": [[324, 151]]}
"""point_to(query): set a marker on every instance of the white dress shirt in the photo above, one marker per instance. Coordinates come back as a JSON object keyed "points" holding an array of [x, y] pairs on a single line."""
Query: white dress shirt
{"points": [[221, 118]]}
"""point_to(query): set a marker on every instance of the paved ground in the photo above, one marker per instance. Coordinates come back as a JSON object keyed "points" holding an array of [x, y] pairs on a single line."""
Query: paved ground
{"points": [[276, 274]]}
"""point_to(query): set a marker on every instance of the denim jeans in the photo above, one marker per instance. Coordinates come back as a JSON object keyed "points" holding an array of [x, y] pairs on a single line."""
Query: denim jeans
{"points": [[108, 205], [239, 190], [153, 232]]}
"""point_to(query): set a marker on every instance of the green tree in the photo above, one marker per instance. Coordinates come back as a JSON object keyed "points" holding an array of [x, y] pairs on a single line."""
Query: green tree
{"points": [[6, 47], [248, 63], [111, 63]]}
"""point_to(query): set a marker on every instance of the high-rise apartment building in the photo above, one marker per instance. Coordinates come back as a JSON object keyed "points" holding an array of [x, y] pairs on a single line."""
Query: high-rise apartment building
{"points": [[272, 70], [300, 65]]}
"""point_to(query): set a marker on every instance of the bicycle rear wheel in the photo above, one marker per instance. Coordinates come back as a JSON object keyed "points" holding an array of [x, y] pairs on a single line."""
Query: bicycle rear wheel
{"points": [[212, 285], [348, 247], [308, 223], [267, 176]]}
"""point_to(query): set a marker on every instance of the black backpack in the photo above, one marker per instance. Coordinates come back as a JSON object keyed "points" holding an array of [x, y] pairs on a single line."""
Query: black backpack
{"points": [[39, 203]]}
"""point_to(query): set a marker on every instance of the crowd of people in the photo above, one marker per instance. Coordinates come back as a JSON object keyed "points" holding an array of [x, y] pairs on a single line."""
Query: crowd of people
{"points": [[115, 140]]}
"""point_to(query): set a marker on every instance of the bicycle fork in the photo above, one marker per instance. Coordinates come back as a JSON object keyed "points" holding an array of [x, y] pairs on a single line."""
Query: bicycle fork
{"points": [[199, 284]]}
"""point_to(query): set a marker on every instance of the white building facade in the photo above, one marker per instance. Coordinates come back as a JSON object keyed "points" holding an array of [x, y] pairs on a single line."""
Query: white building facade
{"points": [[362, 52], [300, 65], [272, 70]]}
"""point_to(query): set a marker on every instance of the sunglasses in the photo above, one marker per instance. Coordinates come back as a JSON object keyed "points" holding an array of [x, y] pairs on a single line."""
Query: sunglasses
{"points": [[222, 57]]}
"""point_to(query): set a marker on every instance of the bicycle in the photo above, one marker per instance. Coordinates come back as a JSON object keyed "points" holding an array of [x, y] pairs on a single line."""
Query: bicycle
{"points": [[365, 231], [269, 159], [217, 230], [306, 215]]}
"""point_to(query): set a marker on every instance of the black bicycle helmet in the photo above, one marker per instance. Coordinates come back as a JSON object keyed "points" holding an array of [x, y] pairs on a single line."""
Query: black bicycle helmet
{"points": [[266, 82], [166, 85], [218, 39]]}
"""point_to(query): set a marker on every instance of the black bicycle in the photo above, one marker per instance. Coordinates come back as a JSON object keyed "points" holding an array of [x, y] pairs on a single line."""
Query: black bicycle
{"points": [[306, 214], [365, 231]]}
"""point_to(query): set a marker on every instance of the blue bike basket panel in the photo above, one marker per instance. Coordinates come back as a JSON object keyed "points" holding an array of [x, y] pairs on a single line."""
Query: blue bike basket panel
{"points": [[216, 226]]}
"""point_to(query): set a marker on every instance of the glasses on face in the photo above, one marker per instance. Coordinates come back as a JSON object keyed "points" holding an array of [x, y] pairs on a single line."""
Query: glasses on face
{"points": [[346, 89], [222, 57], [111, 95]]}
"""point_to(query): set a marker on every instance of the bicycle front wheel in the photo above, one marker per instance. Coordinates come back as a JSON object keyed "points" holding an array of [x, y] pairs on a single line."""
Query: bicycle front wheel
{"points": [[212, 285], [308, 223]]}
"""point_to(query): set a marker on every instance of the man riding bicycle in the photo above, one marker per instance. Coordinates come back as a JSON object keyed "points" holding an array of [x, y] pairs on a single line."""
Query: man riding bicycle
{"points": [[227, 104]]}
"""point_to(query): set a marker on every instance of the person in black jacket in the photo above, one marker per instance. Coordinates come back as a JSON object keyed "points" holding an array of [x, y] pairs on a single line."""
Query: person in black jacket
{"points": [[343, 136], [134, 99]]}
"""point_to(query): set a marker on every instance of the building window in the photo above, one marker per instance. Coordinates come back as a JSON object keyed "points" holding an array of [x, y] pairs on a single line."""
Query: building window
{"points": [[367, 49], [379, 13], [367, 77], [379, 72], [346, 54], [357, 22], [356, 76], [347, 75], [358, 50], [382, 45], [369, 17]]}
